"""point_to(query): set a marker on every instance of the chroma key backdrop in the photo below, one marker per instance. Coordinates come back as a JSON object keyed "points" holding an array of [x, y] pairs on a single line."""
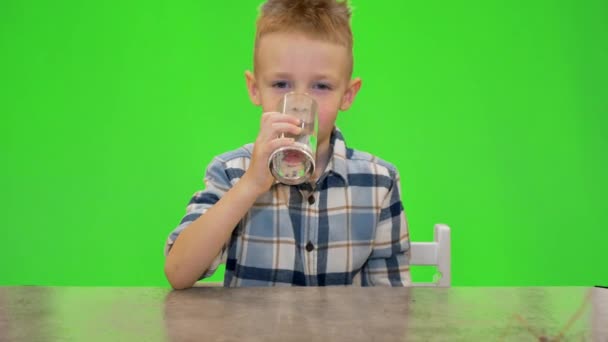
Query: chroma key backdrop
{"points": [[495, 113]]}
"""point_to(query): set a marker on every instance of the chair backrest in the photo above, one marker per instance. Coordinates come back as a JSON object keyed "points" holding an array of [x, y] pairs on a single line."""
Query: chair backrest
{"points": [[436, 253]]}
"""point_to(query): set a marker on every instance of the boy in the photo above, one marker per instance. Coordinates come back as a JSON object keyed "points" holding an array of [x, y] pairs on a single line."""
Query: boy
{"points": [[346, 226]]}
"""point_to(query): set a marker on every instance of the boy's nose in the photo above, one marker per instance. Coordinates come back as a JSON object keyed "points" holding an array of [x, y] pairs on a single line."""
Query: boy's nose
{"points": [[300, 90]]}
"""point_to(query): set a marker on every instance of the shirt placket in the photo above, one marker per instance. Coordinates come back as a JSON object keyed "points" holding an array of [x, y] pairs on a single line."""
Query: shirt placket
{"points": [[309, 207]]}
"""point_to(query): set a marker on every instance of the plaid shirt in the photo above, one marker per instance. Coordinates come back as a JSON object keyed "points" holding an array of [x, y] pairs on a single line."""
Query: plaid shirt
{"points": [[348, 229]]}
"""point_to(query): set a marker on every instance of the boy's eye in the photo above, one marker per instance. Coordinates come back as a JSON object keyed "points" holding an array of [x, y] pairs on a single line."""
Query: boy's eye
{"points": [[322, 86], [280, 84]]}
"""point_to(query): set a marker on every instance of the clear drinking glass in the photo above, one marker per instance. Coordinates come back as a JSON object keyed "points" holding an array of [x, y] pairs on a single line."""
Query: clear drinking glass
{"points": [[295, 164]]}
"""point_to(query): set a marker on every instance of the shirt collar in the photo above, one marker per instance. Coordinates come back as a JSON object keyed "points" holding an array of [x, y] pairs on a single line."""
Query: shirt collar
{"points": [[337, 163]]}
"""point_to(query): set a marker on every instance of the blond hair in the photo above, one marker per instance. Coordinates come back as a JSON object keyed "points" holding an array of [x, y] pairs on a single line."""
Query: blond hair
{"points": [[327, 20]]}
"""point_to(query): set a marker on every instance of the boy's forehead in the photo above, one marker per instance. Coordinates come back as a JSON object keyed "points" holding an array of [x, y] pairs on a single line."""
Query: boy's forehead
{"points": [[280, 52]]}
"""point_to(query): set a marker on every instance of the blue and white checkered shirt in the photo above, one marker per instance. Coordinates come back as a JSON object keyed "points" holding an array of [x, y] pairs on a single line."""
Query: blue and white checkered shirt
{"points": [[350, 229]]}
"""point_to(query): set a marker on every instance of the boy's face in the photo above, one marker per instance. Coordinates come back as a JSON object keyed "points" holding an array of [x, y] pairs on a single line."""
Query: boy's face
{"points": [[293, 62]]}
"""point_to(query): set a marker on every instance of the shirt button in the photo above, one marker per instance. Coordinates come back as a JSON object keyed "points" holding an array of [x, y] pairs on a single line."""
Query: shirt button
{"points": [[309, 246], [311, 199]]}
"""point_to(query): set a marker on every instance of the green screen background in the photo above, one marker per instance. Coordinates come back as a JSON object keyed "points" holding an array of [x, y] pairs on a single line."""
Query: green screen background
{"points": [[495, 113]]}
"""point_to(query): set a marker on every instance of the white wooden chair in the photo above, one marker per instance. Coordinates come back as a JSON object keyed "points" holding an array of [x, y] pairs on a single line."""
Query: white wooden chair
{"points": [[436, 253]]}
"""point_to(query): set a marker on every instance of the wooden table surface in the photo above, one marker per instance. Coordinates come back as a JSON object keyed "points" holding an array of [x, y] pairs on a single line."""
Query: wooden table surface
{"points": [[301, 314]]}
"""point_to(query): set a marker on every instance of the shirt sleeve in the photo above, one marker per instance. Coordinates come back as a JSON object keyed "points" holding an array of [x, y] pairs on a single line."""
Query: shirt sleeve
{"points": [[388, 264], [217, 183]]}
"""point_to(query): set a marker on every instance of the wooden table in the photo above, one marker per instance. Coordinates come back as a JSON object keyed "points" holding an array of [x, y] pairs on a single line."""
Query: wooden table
{"points": [[300, 314]]}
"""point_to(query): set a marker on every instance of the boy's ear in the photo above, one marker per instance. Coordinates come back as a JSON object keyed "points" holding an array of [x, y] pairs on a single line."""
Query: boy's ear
{"points": [[349, 96], [252, 88]]}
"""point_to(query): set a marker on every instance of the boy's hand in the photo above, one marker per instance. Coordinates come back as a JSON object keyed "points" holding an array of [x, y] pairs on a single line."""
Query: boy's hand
{"points": [[272, 125]]}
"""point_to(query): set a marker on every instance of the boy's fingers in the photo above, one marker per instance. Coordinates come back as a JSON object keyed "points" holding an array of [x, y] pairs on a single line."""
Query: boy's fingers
{"points": [[279, 142], [283, 127], [274, 124], [266, 117]]}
